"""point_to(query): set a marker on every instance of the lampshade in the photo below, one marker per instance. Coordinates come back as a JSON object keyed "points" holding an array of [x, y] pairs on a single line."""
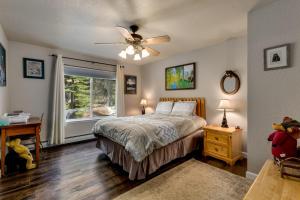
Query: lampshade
{"points": [[143, 102], [130, 50], [145, 53], [122, 54], [225, 104], [137, 57]]}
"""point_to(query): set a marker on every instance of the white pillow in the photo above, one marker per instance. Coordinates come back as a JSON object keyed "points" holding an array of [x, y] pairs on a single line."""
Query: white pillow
{"points": [[164, 107], [183, 108], [194, 111]]}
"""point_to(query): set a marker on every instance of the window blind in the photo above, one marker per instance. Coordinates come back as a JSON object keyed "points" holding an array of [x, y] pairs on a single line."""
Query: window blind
{"points": [[88, 72]]}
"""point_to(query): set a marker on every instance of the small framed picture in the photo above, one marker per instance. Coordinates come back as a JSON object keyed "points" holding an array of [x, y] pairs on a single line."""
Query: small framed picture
{"points": [[33, 68], [2, 66], [277, 57], [130, 84]]}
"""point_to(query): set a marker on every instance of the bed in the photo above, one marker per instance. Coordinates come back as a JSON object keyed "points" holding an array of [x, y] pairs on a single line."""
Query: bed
{"points": [[136, 144]]}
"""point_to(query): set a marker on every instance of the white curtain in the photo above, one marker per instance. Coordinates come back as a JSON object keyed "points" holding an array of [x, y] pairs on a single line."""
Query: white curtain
{"points": [[120, 99], [58, 102]]}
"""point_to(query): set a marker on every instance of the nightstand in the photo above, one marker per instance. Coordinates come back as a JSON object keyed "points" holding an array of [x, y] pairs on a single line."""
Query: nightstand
{"points": [[223, 143]]}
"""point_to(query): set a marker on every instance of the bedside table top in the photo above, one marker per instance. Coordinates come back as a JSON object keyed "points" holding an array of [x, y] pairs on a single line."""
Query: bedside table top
{"points": [[218, 128]]}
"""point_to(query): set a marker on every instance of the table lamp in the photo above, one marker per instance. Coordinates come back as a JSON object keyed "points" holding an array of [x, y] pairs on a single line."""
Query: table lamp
{"points": [[143, 103], [226, 106]]}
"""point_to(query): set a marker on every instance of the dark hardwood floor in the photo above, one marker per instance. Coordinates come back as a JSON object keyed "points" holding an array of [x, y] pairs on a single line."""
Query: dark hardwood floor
{"points": [[80, 171]]}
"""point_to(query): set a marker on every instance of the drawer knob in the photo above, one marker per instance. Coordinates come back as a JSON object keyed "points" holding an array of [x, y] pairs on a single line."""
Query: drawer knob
{"points": [[216, 138], [216, 149]]}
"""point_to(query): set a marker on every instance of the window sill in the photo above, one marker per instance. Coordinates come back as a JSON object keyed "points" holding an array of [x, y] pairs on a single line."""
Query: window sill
{"points": [[69, 121]]}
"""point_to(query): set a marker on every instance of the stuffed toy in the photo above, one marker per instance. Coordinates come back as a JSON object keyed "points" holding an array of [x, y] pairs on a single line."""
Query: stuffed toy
{"points": [[22, 151], [288, 125], [283, 144], [278, 127]]}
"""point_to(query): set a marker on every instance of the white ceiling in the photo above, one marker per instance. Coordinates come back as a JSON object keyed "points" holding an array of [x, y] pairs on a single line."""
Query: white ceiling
{"points": [[76, 24]]}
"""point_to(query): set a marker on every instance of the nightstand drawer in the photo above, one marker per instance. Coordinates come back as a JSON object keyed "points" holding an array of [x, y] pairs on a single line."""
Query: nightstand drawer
{"points": [[216, 149], [215, 137]]}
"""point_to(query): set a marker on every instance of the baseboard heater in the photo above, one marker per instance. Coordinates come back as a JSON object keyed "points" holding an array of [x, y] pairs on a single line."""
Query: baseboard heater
{"points": [[75, 136], [68, 140]]}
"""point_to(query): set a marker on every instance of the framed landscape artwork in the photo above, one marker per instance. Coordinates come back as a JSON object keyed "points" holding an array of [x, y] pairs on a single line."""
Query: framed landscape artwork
{"points": [[277, 57], [2, 66], [33, 68], [181, 77], [130, 84]]}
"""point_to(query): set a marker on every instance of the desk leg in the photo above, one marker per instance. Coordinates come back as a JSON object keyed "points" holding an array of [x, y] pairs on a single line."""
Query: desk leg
{"points": [[3, 147], [37, 144]]}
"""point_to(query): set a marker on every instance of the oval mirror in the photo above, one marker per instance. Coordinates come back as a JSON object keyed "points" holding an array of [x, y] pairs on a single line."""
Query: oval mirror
{"points": [[230, 82]]}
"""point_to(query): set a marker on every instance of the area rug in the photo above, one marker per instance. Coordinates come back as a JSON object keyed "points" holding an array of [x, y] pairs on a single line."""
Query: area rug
{"points": [[192, 180]]}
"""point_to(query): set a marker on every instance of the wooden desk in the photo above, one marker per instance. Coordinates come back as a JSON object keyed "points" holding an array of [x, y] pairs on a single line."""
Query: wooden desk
{"points": [[270, 186], [32, 127]]}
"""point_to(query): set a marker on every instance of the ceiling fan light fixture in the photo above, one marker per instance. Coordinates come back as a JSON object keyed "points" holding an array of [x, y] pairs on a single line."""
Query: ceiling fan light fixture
{"points": [[137, 57], [130, 50], [136, 45], [145, 53], [122, 54]]}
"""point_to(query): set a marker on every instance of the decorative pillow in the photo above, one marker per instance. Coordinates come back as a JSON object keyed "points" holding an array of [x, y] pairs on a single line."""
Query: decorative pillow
{"points": [[183, 108], [164, 107]]}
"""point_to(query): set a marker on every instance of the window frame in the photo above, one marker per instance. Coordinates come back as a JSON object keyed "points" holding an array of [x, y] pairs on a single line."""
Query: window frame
{"points": [[92, 117]]}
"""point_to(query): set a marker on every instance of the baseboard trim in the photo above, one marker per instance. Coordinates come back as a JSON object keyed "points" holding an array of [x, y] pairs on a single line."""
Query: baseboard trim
{"points": [[251, 175]]}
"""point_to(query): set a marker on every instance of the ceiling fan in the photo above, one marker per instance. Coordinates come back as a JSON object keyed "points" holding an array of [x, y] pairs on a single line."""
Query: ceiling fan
{"points": [[137, 44]]}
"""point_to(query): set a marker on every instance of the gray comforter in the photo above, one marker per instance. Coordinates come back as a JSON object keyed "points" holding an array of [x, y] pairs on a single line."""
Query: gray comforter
{"points": [[140, 135]]}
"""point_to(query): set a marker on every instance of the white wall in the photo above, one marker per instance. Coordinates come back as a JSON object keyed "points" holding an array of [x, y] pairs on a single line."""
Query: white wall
{"points": [[211, 63], [4, 98], [271, 94], [32, 95]]}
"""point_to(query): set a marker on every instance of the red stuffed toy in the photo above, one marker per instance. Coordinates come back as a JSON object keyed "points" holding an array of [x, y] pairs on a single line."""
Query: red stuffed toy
{"points": [[283, 144]]}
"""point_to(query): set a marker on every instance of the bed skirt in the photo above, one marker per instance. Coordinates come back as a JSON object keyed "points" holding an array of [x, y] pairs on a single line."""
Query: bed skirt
{"points": [[158, 158]]}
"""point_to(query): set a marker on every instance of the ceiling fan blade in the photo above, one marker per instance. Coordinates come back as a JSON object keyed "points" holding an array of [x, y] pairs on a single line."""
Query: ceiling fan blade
{"points": [[110, 43], [152, 52], [157, 40], [125, 33]]}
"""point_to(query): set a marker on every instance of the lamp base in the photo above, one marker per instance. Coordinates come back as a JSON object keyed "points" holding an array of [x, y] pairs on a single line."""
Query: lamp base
{"points": [[143, 110], [224, 124], [224, 121]]}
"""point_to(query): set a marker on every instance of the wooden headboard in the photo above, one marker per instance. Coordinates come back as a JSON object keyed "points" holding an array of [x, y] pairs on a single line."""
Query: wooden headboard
{"points": [[200, 108]]}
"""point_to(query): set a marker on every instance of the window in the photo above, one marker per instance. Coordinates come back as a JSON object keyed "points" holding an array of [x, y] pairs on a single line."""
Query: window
{"points": [[89, 93]]}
